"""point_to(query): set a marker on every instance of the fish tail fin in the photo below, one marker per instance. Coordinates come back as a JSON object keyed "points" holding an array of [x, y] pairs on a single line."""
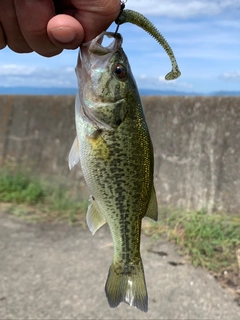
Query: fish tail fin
{"points": [[127, 285]]}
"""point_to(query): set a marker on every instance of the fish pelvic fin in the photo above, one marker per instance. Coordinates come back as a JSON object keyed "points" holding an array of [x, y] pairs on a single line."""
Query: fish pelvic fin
{"points": [[127, 285], [94, 218]]}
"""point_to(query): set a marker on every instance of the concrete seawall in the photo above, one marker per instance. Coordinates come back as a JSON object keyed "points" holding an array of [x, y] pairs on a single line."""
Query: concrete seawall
{"points": [[196, 143]]}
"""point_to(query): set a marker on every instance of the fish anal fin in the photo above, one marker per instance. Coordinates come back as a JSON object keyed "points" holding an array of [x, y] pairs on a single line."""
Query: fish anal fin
{"points": [[94, 218], [127, 286], [152, 211], [74, 155]]}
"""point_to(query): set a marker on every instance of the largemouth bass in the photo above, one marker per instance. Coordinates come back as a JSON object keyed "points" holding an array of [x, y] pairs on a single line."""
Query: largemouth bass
{"points": [[116, 154]]}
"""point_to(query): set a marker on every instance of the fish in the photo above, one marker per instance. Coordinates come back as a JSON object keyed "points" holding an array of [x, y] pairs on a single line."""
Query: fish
{"points": [[115, 150]]}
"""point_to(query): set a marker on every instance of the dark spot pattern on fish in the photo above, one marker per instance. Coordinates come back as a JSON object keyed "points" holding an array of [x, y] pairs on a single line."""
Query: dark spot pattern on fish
{"points": [[117, 163]]}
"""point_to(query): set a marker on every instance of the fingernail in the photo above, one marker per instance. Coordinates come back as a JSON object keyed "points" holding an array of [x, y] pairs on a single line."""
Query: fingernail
{"points": [[64, 34]]}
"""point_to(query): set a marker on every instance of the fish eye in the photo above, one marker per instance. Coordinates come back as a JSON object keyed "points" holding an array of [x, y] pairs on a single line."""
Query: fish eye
{"points": [[120, 71]]}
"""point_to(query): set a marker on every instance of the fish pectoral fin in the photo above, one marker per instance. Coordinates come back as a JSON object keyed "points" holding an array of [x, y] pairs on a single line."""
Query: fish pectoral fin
{"points": [[94, 218], [74, 156], [152, 211]]}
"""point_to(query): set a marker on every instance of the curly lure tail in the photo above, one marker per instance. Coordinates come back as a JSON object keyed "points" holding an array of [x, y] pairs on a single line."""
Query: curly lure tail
{"points": [[127, 284], [142, 22]]}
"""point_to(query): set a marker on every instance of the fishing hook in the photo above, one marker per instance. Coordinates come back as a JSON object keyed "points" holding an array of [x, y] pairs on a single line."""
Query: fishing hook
{"points": [[121, 10]]}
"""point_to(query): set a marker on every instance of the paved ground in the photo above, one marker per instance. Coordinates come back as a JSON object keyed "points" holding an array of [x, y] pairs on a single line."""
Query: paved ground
{"points": [[59, 272]]}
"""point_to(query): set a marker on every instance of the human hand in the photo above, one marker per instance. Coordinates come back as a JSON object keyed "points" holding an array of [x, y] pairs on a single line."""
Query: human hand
{"points": [[47, 27]]}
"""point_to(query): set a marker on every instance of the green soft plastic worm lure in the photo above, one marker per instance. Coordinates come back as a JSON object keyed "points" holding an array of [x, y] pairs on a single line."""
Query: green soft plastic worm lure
{"points": [[142, 22]]}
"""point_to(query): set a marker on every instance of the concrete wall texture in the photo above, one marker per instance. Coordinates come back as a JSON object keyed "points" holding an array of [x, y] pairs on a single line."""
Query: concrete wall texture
{"points": [[196, 143]]}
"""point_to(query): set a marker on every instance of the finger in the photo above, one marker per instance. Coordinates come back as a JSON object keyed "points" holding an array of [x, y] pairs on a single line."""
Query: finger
{"points": [[65, 32], [33, 17], [96, 19], [3, 41], [10, 28]]}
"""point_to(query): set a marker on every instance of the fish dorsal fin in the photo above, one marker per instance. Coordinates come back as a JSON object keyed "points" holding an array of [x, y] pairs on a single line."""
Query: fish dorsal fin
{"points": [[152, 211], [95, 219], [74, 157]]}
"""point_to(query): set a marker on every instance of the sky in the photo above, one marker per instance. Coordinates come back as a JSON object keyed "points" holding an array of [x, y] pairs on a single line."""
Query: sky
{"points": [[204, 36]]}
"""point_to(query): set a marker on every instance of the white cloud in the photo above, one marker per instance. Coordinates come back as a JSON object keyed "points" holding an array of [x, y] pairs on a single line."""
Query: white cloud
{"points": [[31, 76], [159, 82], [234, 76], [14, 69], [182, 9], [25, 75]]}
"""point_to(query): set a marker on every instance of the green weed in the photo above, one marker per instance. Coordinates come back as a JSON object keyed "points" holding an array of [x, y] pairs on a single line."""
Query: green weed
{"points": [[210, 241], [36, 200], [20, 188]]}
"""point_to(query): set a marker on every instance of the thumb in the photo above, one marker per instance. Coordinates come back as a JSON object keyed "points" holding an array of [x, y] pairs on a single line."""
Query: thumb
{"points": [[65, 31]]}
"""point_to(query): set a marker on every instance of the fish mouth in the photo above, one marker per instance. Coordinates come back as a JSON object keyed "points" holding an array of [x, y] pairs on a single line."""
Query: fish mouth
{"points": [[95, 46], [93, 56], [93, 53]]}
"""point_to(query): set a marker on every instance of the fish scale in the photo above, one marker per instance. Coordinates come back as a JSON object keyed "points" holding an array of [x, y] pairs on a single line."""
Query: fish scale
{"points": [[116, 156]]}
